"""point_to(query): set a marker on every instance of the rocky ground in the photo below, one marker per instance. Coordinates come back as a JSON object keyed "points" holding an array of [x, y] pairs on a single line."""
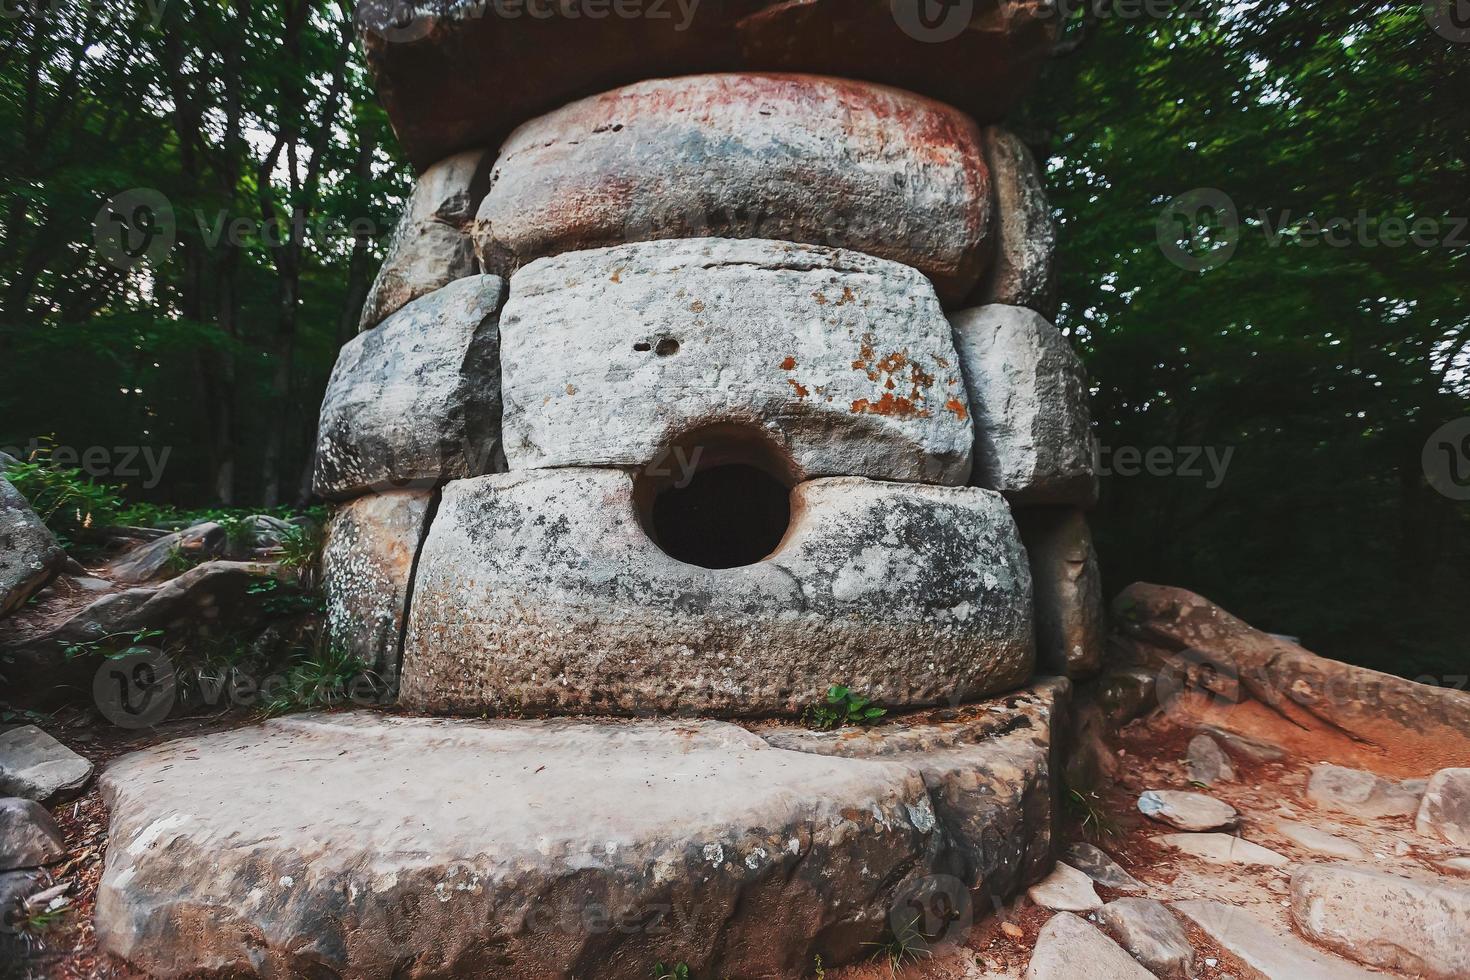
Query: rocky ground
{"points": [[1290, 822]]}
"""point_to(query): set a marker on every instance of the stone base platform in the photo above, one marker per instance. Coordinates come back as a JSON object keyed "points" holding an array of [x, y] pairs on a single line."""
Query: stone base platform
{"points": [[365, 845]]}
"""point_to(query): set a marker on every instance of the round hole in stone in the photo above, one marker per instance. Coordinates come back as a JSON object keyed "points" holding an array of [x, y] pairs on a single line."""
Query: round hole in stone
{"points": [[643, 347], [667, 347], [717, 499]]}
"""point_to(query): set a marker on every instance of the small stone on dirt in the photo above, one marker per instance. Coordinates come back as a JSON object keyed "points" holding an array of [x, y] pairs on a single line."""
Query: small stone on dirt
{"points": [[1187, 811], [1097, 865], [1222, 849], [1151, 933], [1207, 763], [1320, 842], [35, 766], [1066, 943], [1445, 809], [1360, 793], [1065, 890], [29, 837]]}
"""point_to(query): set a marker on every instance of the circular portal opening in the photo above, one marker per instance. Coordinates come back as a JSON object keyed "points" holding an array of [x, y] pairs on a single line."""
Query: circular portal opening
{"points": [[717, 500]]}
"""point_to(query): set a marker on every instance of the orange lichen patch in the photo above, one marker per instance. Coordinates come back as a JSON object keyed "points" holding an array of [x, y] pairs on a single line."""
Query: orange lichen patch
{"points": [[960, 409], [847, 296], [820, 297], [617, 275], [571, 389], [789, 364], [697, 306], [798, 387], [890, 404]]}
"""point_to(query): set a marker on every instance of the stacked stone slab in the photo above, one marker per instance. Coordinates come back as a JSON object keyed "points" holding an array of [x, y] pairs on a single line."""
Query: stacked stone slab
{"points": [[726, 249]]}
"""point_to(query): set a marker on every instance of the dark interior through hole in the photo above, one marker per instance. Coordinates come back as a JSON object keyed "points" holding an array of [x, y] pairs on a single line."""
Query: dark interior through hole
{"points": [[732, 510]]}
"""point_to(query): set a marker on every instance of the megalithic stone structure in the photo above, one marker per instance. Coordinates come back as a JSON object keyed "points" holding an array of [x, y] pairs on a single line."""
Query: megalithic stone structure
{"points": [[710, 367]]}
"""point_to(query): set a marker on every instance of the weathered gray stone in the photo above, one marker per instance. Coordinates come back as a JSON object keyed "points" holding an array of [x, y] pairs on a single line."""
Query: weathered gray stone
{"points": [[29, 837], [365, 845], [459, 75], [1067, 584], [1187, 811], [1024, 270], [34, 766], [1385, 920], [1272, 950], [541, 591], [29, 554], [1126, 694], [367, 565], [1360, 793], [795, 158], [1151, 933], [1028, 396], [416, 400], [1222, 849], [162, 558], [1067, 947], [1445, 809], [1207, 763], [1319, 842], [843, 362], [431, 247], [1097, 865], [1065, 890]]}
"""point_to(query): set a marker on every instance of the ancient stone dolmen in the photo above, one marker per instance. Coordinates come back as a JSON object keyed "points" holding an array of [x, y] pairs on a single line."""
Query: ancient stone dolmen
{"points": [[701, 375]]}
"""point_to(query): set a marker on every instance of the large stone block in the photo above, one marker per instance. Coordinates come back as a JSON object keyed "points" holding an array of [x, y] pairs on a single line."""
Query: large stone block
{"points": [[431, 247], [416, 400], [29, 553], [793, 158], [455, 74], [845, 362], [1023, 271], [542, 591], [359, 845], [1066, 582], [1028, 396], [1409, 925], [367, 565]]}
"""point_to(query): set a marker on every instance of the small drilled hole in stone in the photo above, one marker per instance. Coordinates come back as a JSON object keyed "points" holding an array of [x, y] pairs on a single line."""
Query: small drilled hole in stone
{"points": [[642, 347], [726, 517], [667, 347]]}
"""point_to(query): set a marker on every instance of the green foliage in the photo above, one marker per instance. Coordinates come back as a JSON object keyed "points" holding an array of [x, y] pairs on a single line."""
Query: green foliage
{"points": [[677, 972], [902, 946], [70, 503], [841, 707], [1324, 368], [324, 676], [240, 533], [115, 645], [1091, 812], [283, 599]]}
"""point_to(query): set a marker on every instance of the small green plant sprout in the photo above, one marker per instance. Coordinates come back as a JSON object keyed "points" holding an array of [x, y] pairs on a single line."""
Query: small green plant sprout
{"points": [[300, 551], [679, 971], [842, 707], [325, 676], [239, 532], [113, 645], [902, 946], [1091, 812], [179, 561], [817, 969]]}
